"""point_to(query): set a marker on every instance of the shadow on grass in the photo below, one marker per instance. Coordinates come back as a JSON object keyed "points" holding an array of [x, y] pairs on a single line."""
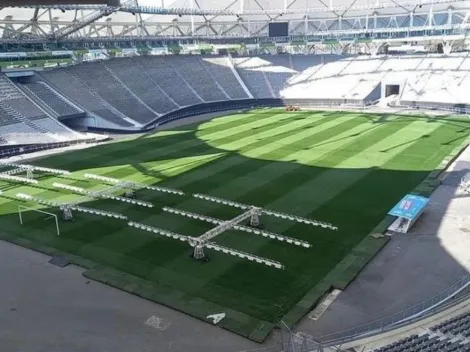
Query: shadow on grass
{"points": [[355, 200]]}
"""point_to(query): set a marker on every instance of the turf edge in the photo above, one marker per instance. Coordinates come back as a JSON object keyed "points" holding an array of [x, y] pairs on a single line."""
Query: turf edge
{"points": [[254, 329], [351, 265], [237, 322]]}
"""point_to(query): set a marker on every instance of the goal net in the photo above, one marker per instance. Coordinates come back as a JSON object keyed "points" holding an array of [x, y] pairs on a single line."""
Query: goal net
{"points": [[48, 216]]}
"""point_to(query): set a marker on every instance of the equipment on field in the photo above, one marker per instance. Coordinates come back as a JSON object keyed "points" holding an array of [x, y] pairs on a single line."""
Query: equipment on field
{"points": [[67, 208], [7, 177], [248, 229], [22, 208], [267, 212], [131, 186], [199, 245], [250, 213], [103, 194], [30, 169]]}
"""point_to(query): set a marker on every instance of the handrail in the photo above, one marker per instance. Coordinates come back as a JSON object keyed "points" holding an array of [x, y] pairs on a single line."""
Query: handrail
{"points": [[403, 317]]}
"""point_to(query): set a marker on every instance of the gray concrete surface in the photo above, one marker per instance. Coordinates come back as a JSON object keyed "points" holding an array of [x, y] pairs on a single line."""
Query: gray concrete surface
{"points": [[412, 267], [47, 308]]}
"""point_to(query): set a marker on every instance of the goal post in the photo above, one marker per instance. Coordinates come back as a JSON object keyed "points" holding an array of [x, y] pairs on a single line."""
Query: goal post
{"points": [[22, 209]]}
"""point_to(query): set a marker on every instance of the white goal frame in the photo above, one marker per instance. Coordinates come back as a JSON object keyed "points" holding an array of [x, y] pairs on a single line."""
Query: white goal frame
{"points": [[21, 207]]}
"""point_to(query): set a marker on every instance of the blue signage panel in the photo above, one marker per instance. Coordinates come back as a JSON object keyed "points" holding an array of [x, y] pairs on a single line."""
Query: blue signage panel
{"points": [[410, 207]]}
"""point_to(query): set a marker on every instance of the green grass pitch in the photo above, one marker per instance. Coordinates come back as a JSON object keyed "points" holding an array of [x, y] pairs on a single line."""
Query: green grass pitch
{"points": [[345, 168]]}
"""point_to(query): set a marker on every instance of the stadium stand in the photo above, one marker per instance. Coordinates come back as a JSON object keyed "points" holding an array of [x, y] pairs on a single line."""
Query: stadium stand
{"points": [[251, 71], [199, 78], [58, 130], [279, 72], [138, 91], [48, 97], [141, 85], [455, 326], [449, 336], [221, 71], [22, 133], [17, 105], [159, 69], [23, 122], [78, 92], [96, 77]]}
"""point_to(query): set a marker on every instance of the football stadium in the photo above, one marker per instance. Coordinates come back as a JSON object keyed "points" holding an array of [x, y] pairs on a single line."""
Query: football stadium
{"points": [[247, 175]]}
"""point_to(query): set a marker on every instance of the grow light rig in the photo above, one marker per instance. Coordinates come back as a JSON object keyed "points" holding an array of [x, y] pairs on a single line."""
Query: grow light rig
{"points": [[103, 194], [29, 170], [267, 212], [130, 186], [67, 208], [203, 241], [251, 213]]}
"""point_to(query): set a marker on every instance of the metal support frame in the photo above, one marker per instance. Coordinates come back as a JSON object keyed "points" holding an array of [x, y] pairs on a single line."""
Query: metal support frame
{"points": [[202, 241], [417, 15], [67, 208]]}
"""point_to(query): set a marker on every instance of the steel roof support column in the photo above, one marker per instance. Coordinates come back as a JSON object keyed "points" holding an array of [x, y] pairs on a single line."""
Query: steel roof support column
{"points": [[449, 16], [192, 17], [411, 18], [431, 17]]}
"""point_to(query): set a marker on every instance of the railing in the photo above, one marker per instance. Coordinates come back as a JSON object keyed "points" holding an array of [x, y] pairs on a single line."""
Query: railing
{"points": [[39, 147], [338, 104], [465, 110], [403, 317]]}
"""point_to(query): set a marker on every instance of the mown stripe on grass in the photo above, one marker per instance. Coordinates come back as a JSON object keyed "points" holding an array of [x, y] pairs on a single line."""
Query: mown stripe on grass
{"points": [[329, 193]]}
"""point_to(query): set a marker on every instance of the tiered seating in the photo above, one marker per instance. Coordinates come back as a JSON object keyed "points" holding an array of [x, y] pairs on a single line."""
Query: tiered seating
{"points": [[425, 343], [343, 79], [6, 117], [278, 72], [166, 76], [18, 102], [8, 90], [456, 326], [141, 85], [449, 336], [438, 80], [110, 116], [251, 71], [51, 99], [59, 131], [21, 133], [219, 68], [306, 66], [95, 76], [77, 92], [199, 78], [305, 62]]}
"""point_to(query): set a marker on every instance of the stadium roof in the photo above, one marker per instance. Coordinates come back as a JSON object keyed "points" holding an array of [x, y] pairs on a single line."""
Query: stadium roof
{"points": [[229, 17]]}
